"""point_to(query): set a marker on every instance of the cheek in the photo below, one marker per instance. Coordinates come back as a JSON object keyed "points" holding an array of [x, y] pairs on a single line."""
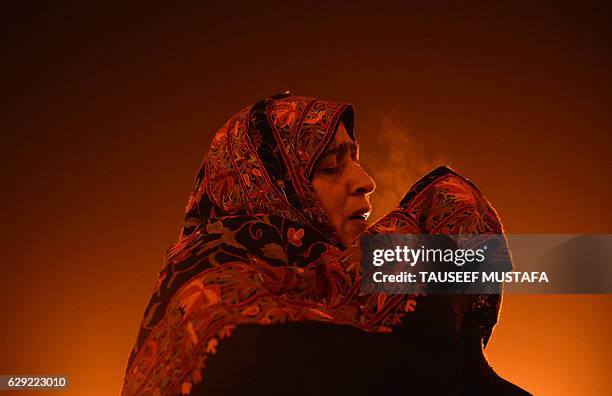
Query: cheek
{"points": [[333, 199], [335, 208]]}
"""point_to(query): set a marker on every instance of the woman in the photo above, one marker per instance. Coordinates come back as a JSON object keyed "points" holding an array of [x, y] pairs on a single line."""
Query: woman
{"points": [[266, 269]]}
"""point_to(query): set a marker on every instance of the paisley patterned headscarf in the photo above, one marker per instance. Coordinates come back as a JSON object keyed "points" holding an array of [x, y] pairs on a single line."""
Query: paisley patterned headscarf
{"points": [[257, 246], [261, 162]]}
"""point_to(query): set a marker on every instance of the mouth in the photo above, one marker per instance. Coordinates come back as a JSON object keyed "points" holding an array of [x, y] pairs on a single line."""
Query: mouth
{"points": [[361, 214]]}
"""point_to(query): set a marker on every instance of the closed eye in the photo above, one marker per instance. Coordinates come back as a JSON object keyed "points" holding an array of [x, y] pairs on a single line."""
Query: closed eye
{"points": [[335, 159], [330, 170]]}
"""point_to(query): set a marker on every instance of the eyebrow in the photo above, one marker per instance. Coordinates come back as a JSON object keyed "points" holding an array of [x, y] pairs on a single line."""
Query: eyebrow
{"points": [[352, 147]]}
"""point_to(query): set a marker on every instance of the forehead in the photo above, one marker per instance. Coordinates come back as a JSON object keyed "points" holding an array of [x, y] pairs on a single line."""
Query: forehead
{"points": [[341, 137]]}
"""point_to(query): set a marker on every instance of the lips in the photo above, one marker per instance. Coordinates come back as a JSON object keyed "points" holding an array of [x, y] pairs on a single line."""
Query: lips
{"points": [[361, 213]]}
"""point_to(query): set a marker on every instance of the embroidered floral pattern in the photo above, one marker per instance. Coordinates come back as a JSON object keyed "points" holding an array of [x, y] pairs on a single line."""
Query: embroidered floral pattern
{"points": [[260, 166], [295, 237], [286, 113], [256, 248]]}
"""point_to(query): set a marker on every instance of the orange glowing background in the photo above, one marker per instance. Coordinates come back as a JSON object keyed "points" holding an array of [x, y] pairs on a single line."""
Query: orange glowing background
{"points": [[107, 113]]}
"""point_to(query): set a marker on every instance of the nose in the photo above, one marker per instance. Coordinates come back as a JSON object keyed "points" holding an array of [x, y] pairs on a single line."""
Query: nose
{"points": [[361, 182]]}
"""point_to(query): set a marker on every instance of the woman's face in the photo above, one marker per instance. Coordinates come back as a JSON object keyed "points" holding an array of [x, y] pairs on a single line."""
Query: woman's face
{"points": [[344, 186]]}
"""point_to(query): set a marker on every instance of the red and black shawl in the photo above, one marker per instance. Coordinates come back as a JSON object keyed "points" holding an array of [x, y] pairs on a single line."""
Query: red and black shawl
{"points": [[257, 249]]}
